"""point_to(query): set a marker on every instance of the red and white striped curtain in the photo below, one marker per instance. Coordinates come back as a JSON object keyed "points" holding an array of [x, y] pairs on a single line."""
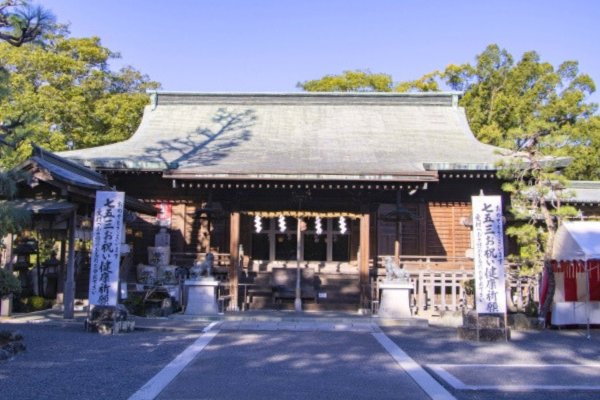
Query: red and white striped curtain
{"points": [[570, 277]]}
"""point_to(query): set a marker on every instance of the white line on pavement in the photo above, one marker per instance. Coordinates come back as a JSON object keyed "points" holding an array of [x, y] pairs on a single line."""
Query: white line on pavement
{"points": [[209, 327], [440, 370], [160, 381], [433, 389]]}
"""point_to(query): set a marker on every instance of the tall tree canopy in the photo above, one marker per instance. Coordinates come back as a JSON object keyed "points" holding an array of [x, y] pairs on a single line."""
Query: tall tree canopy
{"points": [[350, 81], [55, 89], [19, 23], [64, 89]]}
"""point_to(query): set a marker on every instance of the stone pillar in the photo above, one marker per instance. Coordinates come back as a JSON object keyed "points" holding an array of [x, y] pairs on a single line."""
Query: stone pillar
{"points": [[234, 259], [6, 305]]}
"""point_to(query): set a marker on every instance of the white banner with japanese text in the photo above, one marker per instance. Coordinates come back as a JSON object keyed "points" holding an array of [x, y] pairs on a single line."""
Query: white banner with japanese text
{"points": [[489, 255], [106, 248]]}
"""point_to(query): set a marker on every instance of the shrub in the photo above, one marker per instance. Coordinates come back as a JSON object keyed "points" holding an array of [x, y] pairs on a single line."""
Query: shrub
{"points": [[135, 305], [9, 284], [37, 303]]}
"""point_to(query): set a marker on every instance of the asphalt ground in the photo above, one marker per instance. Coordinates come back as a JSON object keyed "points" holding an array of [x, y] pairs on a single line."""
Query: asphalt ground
{"points": [[549, 364], [292, 365], [62, 361]]}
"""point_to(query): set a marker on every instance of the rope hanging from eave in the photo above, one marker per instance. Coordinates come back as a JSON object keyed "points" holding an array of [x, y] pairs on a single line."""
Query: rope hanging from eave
{"points": [[301, 214]]}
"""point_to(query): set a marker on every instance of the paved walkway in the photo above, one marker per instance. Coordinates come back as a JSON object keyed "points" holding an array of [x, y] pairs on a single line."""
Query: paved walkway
{"points": [[328, 360], [337, 355]]}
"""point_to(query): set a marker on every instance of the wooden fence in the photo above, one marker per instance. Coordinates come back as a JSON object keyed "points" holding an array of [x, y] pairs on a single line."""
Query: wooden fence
{"points": [[439, 284]]}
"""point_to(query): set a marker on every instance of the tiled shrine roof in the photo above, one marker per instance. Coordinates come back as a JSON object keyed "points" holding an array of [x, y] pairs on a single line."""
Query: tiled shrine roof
{"points": [[314, 136]]}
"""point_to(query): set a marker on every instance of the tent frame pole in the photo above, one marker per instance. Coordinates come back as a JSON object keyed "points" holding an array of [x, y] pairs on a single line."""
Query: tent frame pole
{"points": [[587, 300]]}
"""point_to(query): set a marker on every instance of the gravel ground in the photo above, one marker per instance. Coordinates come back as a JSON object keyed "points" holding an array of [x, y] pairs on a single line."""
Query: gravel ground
{"points": [[65, 362], [440, 345]]}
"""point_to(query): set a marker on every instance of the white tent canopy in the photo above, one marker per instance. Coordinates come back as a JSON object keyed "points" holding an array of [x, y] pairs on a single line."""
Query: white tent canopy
{"points": [[574, 241], [578, 240]]}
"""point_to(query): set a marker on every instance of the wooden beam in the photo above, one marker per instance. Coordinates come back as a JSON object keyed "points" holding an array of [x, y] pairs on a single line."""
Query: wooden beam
{"points": [[69, 302]]}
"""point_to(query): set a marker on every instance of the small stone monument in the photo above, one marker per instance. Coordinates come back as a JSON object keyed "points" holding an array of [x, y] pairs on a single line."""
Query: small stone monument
{"points": [[395, 291], [202, 289]]}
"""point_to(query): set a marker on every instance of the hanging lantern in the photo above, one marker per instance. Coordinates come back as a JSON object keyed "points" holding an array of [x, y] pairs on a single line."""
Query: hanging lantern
{"points": [[258, 223], [318, 226], [343, 227], [281, 223]]}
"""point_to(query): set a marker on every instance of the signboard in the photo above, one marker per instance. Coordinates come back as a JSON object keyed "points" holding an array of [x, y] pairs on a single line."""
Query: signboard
{"points": [[163, 218], [489, 255], [106, 248]]}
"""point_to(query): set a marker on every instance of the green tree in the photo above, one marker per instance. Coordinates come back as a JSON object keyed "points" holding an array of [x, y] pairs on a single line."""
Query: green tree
{"points": [[536, 188], [19, 23], [68, 93], [349, 81]]}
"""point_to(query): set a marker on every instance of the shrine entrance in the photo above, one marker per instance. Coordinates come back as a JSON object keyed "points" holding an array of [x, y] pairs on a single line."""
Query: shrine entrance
{"points": [[323, 246]]}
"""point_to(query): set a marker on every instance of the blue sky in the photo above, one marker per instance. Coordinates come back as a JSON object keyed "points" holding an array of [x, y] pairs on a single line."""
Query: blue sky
{"points": [[270, 45]]}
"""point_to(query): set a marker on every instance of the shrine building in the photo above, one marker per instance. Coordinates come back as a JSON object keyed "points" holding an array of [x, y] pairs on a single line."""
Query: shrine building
{"points": [[367, 175]]}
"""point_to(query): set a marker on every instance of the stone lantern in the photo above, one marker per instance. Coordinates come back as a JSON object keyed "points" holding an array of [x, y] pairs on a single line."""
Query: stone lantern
{"points": [[23, 254], [50, 273]]}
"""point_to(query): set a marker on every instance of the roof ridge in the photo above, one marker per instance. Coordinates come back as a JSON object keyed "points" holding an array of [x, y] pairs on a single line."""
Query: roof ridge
{"points": [[449, 99]]}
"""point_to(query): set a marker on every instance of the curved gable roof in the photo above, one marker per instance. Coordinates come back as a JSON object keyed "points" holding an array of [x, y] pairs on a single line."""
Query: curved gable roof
{"points": [[386, 136]]}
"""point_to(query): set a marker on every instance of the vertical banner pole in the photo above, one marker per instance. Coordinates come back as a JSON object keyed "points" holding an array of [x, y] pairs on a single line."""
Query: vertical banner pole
{"points": [[477, 323], [506, 326]]}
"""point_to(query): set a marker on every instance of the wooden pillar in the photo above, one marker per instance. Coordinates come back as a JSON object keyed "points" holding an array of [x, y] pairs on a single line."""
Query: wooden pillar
{"points": [[423, 249], [365, 225], [398, 242], [7, 303], [234, 259], [60, 290], [69, 305]]}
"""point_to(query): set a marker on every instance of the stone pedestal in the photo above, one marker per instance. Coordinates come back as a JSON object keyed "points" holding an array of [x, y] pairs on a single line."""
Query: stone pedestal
{"points": [[201, 297], [395, 300], [484, 328], [104, 320]]}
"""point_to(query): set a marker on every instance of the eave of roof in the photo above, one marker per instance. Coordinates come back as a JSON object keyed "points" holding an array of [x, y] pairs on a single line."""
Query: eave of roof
{"points": [[424, 176], [42, 207], [583, 192], [75, 177]]}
